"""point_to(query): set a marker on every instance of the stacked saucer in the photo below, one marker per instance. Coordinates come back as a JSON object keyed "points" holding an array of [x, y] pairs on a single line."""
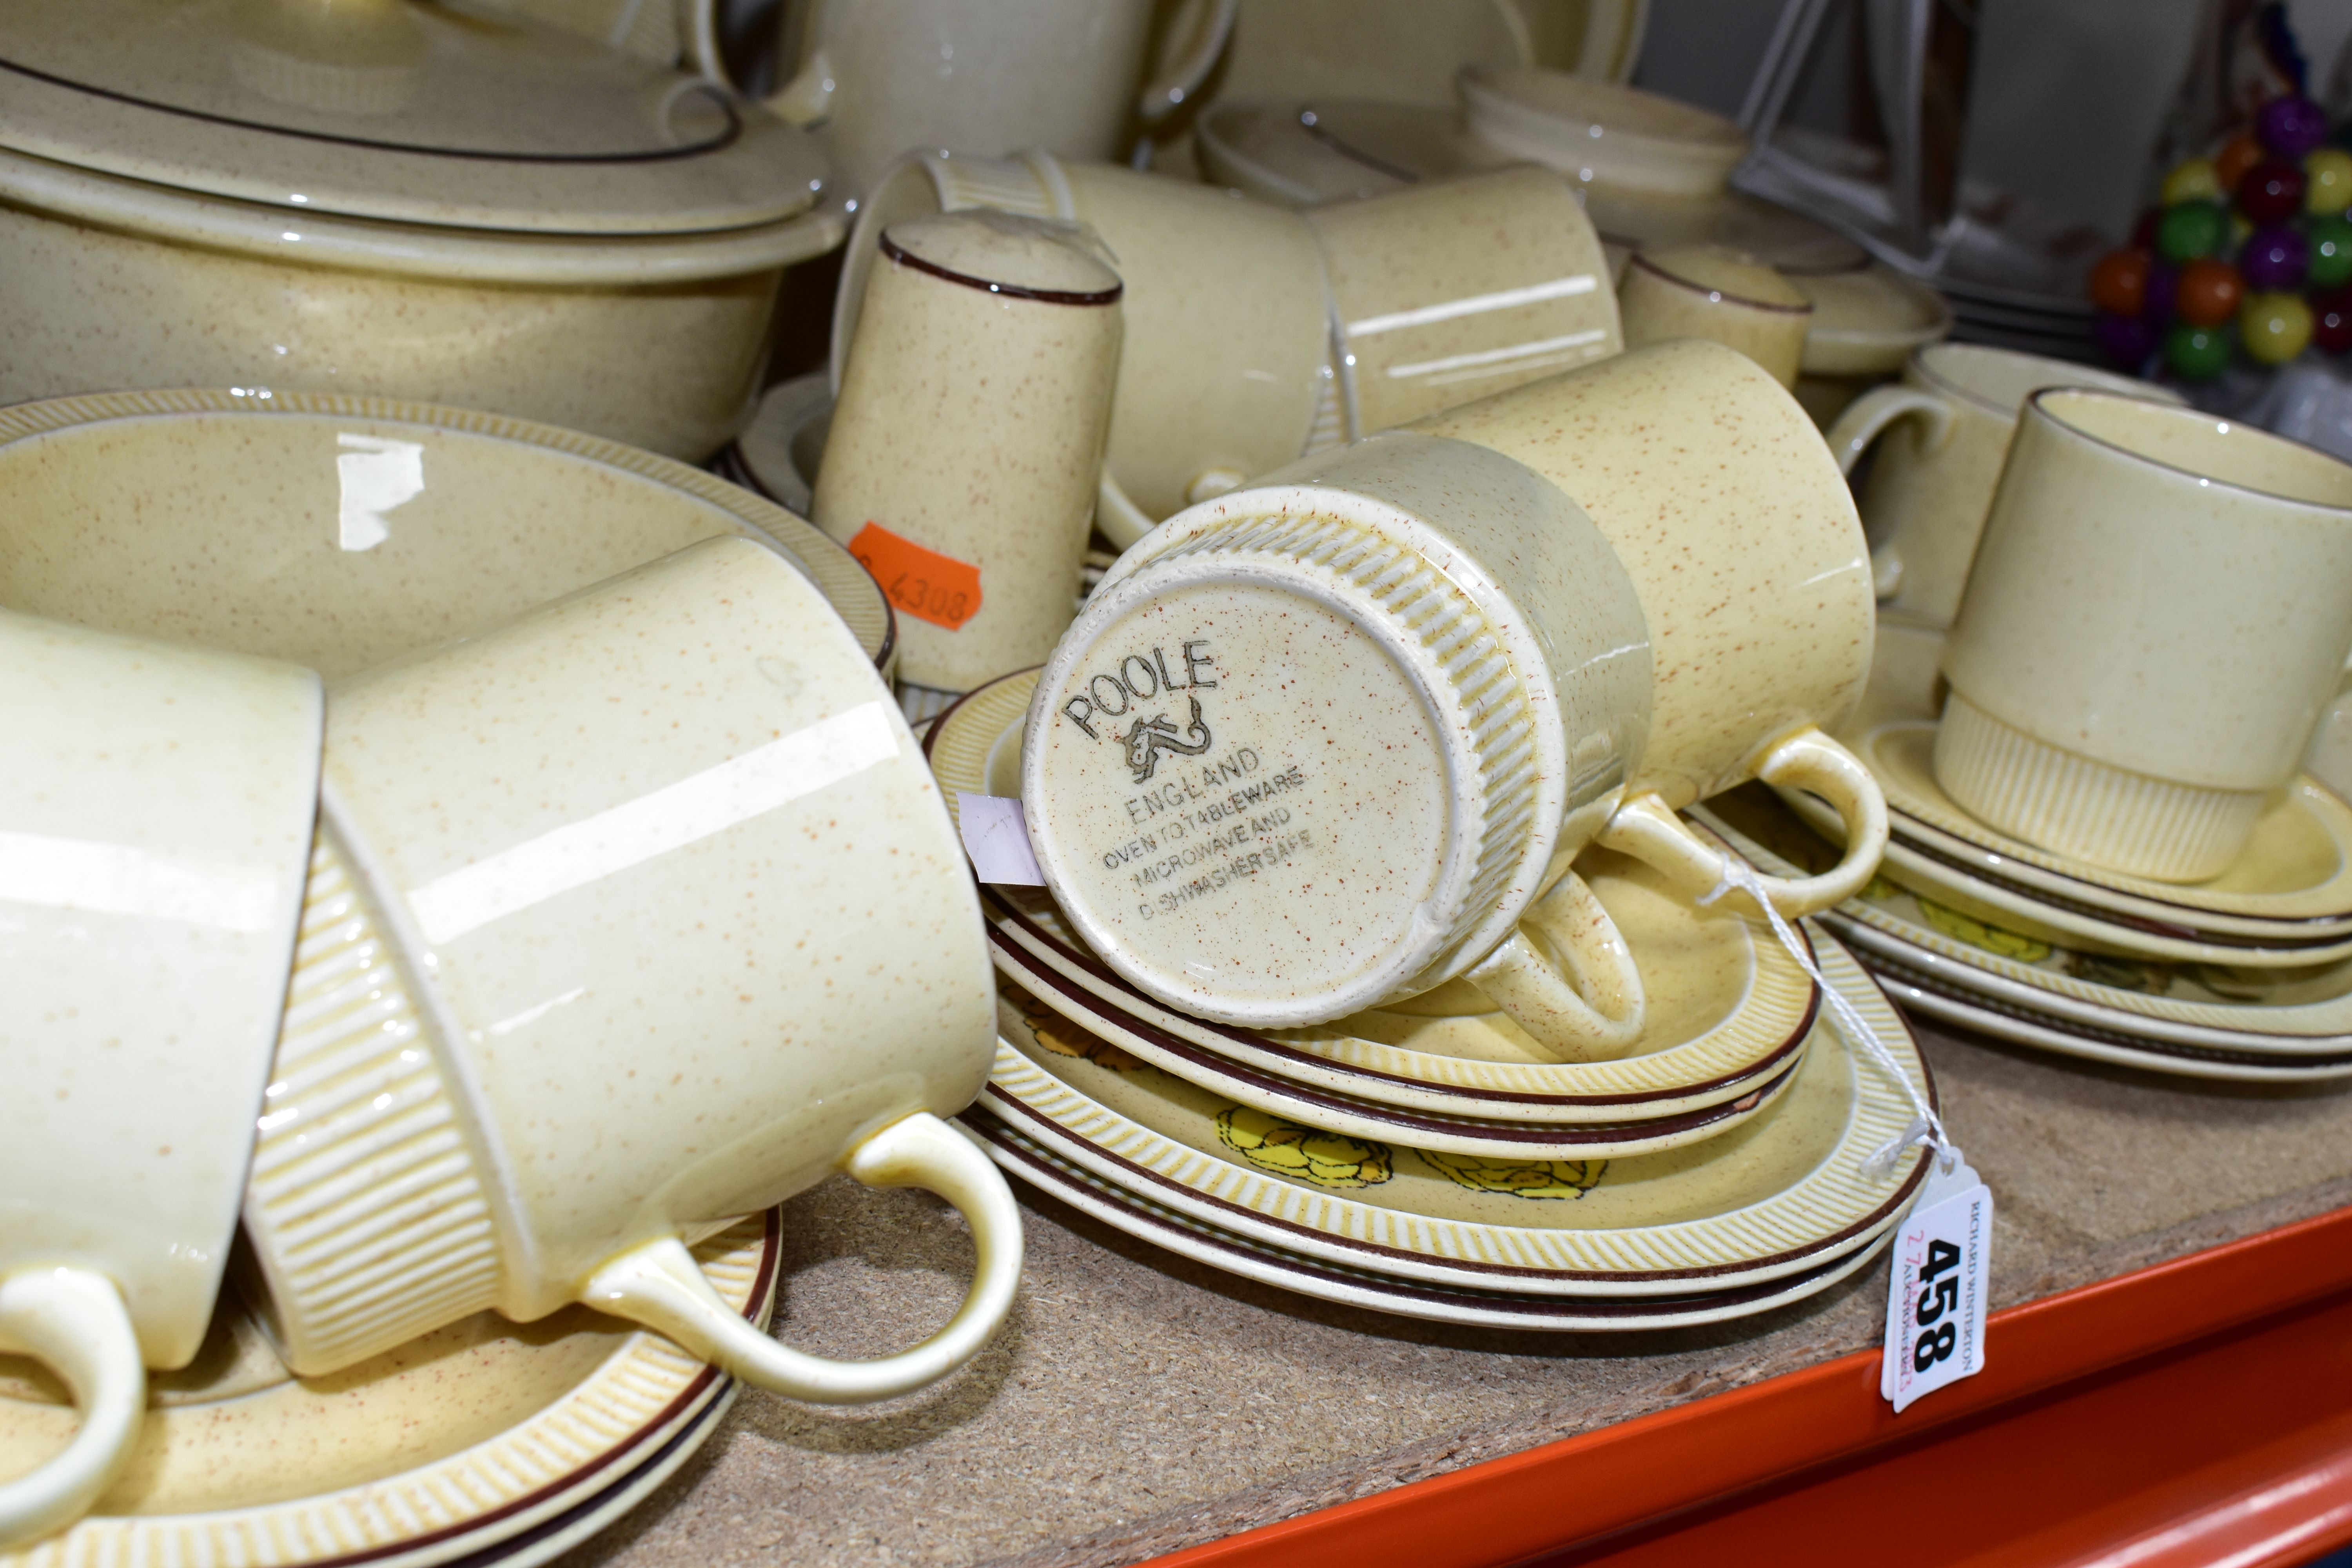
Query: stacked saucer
{"points": [[1428, 1158], [2247, 976], [546, 1433]]}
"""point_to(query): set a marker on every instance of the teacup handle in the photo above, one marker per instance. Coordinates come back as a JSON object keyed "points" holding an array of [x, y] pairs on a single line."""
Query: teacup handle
{"points": [[1646, 827], [1171, 88], [1863, 421], [804, 100], [74, 1322], [1593, 1012], [658, 1285]]}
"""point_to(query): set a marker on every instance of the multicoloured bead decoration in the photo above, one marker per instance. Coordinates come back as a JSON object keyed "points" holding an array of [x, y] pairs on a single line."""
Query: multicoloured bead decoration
{"points": [[2250, 252]]}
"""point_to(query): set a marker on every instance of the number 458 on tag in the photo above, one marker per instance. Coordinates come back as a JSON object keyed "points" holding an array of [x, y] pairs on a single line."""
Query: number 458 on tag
{"points": [[1935, 1309]]}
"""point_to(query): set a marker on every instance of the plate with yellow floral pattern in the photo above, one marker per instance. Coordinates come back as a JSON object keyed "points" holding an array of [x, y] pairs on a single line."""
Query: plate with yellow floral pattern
{"points": [[1165, 1227], [1774, 1196]]}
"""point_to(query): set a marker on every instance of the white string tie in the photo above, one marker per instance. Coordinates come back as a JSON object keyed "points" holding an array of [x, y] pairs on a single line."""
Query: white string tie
{"points": [[1926, 1127]]}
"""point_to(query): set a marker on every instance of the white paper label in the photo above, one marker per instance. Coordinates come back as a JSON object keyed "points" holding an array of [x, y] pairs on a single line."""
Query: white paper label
{"points": [[1936, 1308], [996, 836]]}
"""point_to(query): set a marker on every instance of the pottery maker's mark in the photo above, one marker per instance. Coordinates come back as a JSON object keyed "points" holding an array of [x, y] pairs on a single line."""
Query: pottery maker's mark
{"points": [[1147, 738]]}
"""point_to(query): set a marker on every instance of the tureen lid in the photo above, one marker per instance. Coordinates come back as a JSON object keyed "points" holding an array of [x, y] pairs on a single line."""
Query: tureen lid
{"points": [[447, 114]]}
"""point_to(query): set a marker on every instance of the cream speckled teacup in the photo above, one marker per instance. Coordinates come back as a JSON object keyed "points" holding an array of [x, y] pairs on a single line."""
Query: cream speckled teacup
{"points": [[1709, 291], [993, 340], [1319, 745], [632, 914], [1413, 687], [2159, 613], [1741, 539], [1945, 427], [155, 814], [1450, 291]]}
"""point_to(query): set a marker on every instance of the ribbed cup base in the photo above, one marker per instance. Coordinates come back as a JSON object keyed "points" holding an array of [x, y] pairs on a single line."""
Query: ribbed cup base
{"points": [[366, 1216], [2072, 805]]}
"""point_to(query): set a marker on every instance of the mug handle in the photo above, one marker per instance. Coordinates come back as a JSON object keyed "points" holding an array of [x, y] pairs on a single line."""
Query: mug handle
{"points": [[1121, 520], [74, 1322], [658, 1285], [804, 100], [1863, 421], [1647, 829], [1173, 86], [1593, 1012]]}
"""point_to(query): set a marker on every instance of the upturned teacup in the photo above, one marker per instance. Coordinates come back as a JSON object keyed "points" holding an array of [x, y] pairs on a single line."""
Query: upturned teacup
{"points": [[1330, 741], [154, 817], [632, 914]]}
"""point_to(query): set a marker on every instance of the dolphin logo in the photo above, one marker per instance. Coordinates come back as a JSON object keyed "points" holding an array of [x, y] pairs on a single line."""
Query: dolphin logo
{"points": [[1149, 737]]}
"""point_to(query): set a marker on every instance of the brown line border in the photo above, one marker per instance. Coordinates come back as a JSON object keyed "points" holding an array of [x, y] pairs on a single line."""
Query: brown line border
{"points": [[1655, 270], [1088, 961], [2112, 917], [898, 253], [719, 142], [1409, 1122], [763, 1287]]}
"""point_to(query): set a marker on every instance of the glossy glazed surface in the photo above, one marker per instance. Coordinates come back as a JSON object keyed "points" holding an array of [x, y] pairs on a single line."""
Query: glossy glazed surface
{"points": [[154, 819], [1457, 289], [1710, 291], [340, 533], [2164, 601], [535, 841], [1739, 531], [1225, 370], [1940, 450], [992, 342], [1362, 809]]}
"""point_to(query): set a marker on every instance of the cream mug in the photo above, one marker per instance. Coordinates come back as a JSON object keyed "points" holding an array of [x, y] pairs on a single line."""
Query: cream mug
{"points": [[635, 913], [1453, 290], [886, 77], [2158, 614], [1711, 292], [154, 818], [1224, 368], [993, 340], [1445, 687], [1945, 428]]}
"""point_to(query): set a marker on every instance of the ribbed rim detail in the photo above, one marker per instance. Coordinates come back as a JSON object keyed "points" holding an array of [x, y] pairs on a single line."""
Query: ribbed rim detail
{"points": [[367, 1216], [2078, 805], [1476, 677]]}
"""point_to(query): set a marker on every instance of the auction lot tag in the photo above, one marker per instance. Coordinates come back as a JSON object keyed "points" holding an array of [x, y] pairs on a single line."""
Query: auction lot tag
{"points": [[996, 835], [920, 582], [1935, 1309]]}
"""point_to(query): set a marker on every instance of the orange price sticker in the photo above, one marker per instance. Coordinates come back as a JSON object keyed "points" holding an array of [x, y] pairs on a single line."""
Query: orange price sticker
{"points": [[921, 583]]}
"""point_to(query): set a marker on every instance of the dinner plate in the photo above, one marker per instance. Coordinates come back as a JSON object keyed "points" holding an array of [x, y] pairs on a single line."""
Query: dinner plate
{"points": [[1326, 1281], [1729, 1007], [487, 1441], [2277, 1013], [1778, 1195], [2296, 871]]}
